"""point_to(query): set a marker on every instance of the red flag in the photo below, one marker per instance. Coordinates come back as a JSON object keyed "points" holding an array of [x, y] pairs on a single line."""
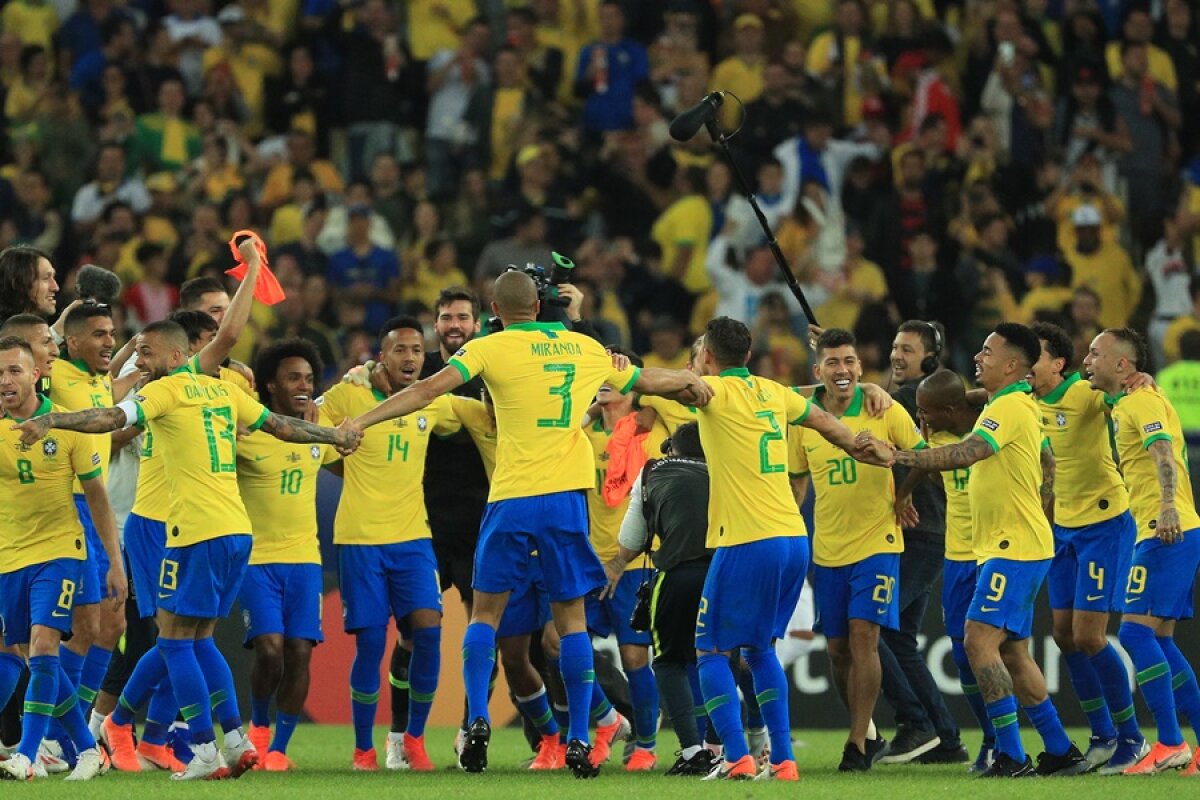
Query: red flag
{"points": [[267, 289]]}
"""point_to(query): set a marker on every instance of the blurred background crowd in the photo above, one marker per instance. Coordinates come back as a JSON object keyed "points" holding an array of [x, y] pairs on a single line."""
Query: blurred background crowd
{"points": [[967, 161]]}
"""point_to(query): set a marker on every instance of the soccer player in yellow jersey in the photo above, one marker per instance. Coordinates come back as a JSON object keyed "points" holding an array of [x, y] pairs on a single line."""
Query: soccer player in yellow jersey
{"points": [[856, 541], [947, 416], [42, 549], [1153, 458], [195, 420], [78, 382], [281, 596], [540, 376], [1094, 535], [761, 545], [660, 415], [1012, 482], [386, 564], [207, 294]]}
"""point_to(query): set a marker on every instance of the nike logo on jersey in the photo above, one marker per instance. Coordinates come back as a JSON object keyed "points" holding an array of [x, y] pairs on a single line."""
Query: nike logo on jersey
{"points": [[260, 458]]}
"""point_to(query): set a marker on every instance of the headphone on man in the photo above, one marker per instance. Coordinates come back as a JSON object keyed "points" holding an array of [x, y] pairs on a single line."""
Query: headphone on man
{"points": [[931, 362]]}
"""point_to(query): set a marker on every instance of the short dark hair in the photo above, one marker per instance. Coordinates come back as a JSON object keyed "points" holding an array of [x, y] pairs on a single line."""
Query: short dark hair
{"points": [[925, 331], [171, 330], [835, 337], [191, 291], [1058, 341], [401, 323], [685, 441], [1189, 346], [271, 356], [194, 323], [1022, 338], [80, 314], [452, 294], [729, 341], [18, 273], [1136, 342], [20, 321], [15, 343]]}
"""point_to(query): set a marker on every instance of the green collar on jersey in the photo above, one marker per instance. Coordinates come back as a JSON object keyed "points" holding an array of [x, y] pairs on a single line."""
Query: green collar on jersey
{"points": [[1061, 389], [43, 408], [734, 372], [1019, 386], [82, 366], [853, 410], [536, 326]]}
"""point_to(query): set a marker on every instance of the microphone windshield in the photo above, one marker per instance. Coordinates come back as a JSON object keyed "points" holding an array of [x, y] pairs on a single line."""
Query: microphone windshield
{"points": [[689, 123], [98, 284]]}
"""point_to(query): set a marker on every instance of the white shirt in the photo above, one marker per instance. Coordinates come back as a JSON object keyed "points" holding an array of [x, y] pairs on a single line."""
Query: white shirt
{"points": [[89, 203], [1172, 280], [738, 295], [836, 156], [191, 58], [123, 466]]}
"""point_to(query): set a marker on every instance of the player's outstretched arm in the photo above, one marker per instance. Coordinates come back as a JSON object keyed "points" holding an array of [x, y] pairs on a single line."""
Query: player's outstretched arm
{"points": [[674, 384], [297, 431], [1168, 530], [92, 420], [414, 398], [237, 315], [951, 456], [106, 527], [838, 434], [877, 399]]}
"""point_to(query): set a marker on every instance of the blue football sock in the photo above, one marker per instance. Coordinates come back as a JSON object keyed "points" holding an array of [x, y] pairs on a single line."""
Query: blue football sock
{"points": [[1183, 680], [1003, 714], [423, 672], [369, 644], [191, 690], [150, 672], [285, 726], [600, 706], [69, 713], [222, 692], [72, 663], [1153, 677], [693, 674], [562, 718], [95, 666], [579, 676], [643, 693], [479, 657], [721, 703], [11, 667], [772, 696], [1090, 693], [536, 709], [745, 682], [1044, 717], [39, 703], [161, 712], [1114, 679], [971, 690], [260, 711]]}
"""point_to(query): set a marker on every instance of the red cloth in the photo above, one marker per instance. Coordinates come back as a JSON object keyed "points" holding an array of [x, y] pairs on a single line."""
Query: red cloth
{"points": [[626, 457], [267, 289]]}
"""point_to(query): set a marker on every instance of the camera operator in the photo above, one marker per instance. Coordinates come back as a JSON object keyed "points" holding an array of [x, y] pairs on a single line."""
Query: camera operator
{"points": [[673, 503]]}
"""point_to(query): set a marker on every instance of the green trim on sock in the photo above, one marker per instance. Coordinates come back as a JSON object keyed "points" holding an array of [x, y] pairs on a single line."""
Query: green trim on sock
{"points": [[87, 695], [397, 683], [364, 697], [190, 712], [1005, 720], [491, 653], [218, 697], [700, 711], [718, 701], [601, 711], [125, 705], [420, 697], [1089, 706], [589, 676], [65, 706], [1123, 715], [766, 696], [45, 709], [970, 688], [1153, 673], [1179, 680], [648, 743], [543, 719]]}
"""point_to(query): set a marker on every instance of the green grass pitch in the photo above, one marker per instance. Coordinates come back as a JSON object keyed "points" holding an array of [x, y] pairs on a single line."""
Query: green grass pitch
{"points": [[323, 755]]}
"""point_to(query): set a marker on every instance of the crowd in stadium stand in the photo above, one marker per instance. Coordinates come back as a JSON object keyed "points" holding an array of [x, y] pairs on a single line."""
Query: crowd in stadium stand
{"points": [[969, 161]]}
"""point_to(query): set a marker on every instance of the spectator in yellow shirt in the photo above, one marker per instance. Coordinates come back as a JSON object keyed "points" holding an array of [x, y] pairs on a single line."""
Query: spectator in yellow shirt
{"points": [[435, 25], [301, 155], [434, 272], [1138, 27], [857, 283], [742, 72], [683, 231], [842, 62], [667, 348], [34, 21], [1105, 267], [1049, 281], [250, 61]]}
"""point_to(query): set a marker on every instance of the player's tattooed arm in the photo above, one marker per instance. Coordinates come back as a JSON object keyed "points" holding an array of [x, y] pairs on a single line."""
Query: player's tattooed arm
{"points": [[994, 681], [951, 456], [1167, 527], [297, 431], [92, 420], [1049, 472]]}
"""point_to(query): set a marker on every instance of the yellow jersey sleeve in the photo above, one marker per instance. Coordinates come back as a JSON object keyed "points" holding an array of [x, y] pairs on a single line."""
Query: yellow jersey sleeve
{"points": [[154, 400], [474, 416], [796, 407], [251, 413], [959, 534], [448, 422], [797, 455], [902, 431], [237, 379]]}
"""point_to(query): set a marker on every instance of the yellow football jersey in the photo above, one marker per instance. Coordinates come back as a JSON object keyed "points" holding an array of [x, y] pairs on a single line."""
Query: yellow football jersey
{"points": [[74, 387], [38, 522], [237, 379], [196, 420], [1005, 489], [1087, 486], [855, 513], [743, 433], [474, 416], [383, 495], [605, 520], [278, 482], [541, 378], [670, 416], [960, 538], [150, 498], [1140, 419]]}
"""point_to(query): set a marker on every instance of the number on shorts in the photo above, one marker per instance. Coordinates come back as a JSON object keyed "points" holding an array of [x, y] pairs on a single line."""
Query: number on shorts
{"points": [[66, 598], [700, 614], [216, 462], [290, 480], [764, 443], [1137, 580], [168, 576], [1096, 573], [843, 471], [883, 589], [997, 585], [25, 471], [563, 391]]}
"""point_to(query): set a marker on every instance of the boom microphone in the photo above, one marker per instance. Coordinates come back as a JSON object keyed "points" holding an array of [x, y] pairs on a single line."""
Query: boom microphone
{"points": [[689, 123], [97, 284]]}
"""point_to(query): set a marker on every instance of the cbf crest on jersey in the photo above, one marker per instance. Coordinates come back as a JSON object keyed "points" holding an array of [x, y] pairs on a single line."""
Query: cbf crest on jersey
{"points": [[1061, 419], [315, 452], [50, 448], [422, 424]]}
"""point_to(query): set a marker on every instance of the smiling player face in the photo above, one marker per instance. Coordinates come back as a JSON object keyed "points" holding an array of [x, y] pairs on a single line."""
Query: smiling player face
{"points": [[292, 388], [403, 354], [94, 344], [839, 370]]}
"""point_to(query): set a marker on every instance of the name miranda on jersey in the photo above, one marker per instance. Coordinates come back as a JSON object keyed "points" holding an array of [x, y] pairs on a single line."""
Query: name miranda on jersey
{"points": [[555, 349]]}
